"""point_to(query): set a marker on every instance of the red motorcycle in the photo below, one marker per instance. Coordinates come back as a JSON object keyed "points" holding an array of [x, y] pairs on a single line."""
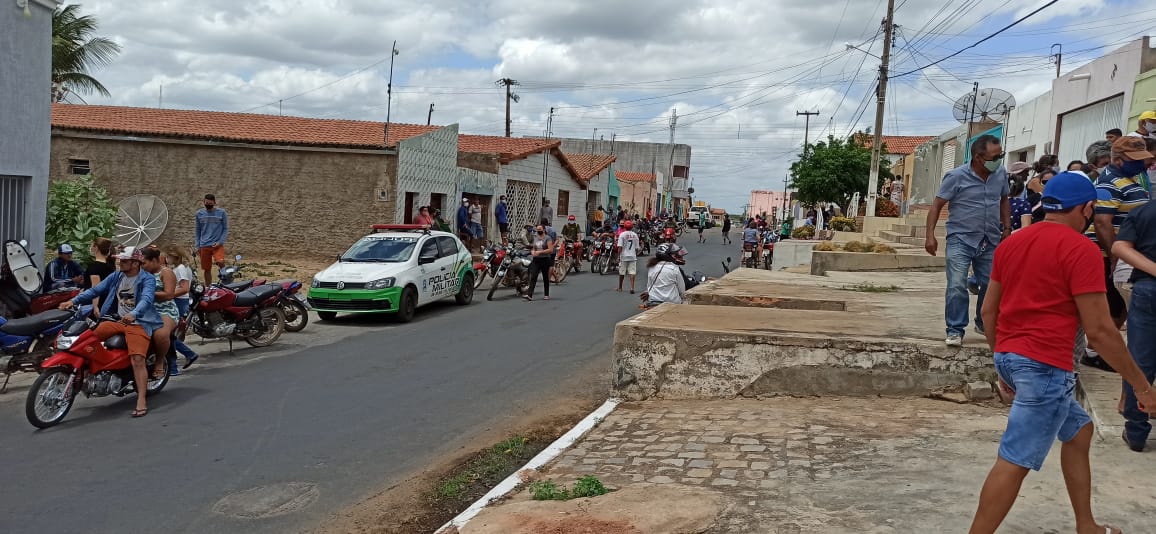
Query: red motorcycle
{"points": [[84, 364], [492, 257], [602, 255], [293, 304], [21, 281], [253, 314], [568, 257]]}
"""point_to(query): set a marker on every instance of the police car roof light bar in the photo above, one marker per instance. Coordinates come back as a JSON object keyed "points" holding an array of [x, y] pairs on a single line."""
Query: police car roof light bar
{"points": [[401, 227]]}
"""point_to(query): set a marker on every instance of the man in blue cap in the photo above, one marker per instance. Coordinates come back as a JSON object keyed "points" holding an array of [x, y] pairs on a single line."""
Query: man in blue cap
{"points": [[1046, 280], [63, 271]]}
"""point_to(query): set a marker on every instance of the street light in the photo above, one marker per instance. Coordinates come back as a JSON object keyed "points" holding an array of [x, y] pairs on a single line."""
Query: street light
{"points": [[853, 47]]}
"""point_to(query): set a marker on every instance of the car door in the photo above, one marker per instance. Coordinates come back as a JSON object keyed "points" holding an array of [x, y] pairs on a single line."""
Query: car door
{"points": [[450, 249], [428, 274]]}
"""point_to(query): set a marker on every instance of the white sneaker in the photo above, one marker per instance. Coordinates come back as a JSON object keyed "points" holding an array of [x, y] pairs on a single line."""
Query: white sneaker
{"points": [[954, 341]]}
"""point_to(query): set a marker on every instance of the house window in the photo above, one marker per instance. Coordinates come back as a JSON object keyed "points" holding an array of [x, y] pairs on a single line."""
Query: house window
{"points": [[78, 166], [563, 208]]}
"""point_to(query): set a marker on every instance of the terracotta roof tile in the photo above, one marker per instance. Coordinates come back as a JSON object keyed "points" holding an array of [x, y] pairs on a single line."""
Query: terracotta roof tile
{"points": [[507, 148], [588, 166], [626, 176], [897, 144], [230, 127]]}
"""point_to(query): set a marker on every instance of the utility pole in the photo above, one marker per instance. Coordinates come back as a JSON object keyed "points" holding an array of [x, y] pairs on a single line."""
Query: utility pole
{"points": [[429, 117], [877, 144], [389, 92], [806, 128], [545, 159], [1057, 56], [510, 96], [668, 186], [161, 96]]}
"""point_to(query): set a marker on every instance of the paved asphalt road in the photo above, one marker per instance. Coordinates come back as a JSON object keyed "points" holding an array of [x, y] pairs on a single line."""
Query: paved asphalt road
{"points": [[346, 408]]}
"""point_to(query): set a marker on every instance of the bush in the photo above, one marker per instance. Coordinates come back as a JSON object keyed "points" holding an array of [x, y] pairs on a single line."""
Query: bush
{"points": [[844, 224], [803, 232], [825, 246], [548, 490], [858, 246], [884, 207], [883, 248], [79, 211]]}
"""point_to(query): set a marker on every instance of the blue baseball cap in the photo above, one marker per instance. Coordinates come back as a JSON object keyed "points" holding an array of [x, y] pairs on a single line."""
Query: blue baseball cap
{"points": [[1070, 189]]}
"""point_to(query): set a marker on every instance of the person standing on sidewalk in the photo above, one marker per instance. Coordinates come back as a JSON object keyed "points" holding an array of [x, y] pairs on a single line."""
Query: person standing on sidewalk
{"points": [[1045, 281], [979, 218], [463, 223], [542, 259], [726, 229], [502, 216], [1136, 245], [627, 255], [476, 222], [546, 212], [209, 234]]}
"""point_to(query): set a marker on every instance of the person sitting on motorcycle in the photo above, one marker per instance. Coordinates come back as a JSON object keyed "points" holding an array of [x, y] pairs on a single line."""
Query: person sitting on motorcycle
{"points": [[572, 232], [751, 238], [165, 304], [129, 293], [664, 279], [63, 271], [670, 223]]}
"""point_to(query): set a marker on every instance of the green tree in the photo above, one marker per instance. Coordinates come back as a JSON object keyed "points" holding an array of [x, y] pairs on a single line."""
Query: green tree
{"points": [[79, 211], [76, 52], [833, 171]]}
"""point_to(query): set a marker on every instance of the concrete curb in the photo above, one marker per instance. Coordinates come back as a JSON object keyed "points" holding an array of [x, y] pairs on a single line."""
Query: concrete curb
{"points": [[544, 457]]}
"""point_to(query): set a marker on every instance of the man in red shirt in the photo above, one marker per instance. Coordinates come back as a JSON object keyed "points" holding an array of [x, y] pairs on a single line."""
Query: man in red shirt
{"points": [[1046, 280]]}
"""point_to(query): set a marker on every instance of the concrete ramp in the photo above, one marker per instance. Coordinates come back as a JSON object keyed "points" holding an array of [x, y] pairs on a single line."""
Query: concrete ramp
{"points": [[757, 333]]}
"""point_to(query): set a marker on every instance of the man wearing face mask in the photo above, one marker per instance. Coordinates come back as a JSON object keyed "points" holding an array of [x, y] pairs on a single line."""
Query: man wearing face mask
{"points": [[1099, 156], [1126, 191], [979, 218], [1147, 126]]}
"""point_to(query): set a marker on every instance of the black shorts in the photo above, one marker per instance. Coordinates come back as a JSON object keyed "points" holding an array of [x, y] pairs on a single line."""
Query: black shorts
{"points": [[1116, 305], [504, 228], [700, 229]]}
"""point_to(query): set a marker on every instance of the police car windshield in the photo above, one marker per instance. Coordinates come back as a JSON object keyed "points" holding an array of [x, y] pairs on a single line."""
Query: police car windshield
{"points": [[385, 249]]}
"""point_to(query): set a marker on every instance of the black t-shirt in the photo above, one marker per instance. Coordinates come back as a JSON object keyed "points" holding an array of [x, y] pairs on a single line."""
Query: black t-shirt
{"points": [[726, 224], [98, 269], [1139, 228]]}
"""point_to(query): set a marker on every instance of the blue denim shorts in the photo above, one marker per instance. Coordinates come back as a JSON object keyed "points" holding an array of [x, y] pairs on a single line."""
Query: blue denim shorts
{"points": [[1045, 409]]}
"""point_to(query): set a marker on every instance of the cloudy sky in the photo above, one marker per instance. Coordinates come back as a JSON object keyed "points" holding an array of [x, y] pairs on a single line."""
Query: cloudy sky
{"points": [[737, 71]]}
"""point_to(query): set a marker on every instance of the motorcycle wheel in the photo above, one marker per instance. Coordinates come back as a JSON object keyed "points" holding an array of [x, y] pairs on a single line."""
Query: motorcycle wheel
{"points": [[559, 271], [155, 385], [296, 316], [594, 264], [466, 292], [494, 287], [273, 324], [481, 278], [46, 405], [604, 264]]}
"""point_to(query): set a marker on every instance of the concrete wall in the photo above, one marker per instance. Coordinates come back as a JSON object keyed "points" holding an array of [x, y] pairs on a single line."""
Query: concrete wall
{"points": [[769, 202], [823, 262], [427, 165], [1144, 88], [25, 115], [299, 202], [637, 197], [792, 253], [634, 156], [1029, 129], [557, 179]]}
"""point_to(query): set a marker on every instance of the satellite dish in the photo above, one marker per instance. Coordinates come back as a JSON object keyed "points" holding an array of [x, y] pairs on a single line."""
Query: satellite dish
{"points": [[142, 219], [985, 105]]}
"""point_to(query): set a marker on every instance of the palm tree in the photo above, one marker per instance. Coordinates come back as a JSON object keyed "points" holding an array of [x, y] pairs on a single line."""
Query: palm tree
{"points": [[75, 52]]}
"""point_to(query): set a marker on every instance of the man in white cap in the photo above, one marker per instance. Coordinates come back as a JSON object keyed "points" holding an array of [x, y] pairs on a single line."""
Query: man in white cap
{"points": [[63, 271]]}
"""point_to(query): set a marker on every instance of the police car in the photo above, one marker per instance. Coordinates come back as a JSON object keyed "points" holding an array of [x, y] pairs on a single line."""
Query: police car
{"points": [[394, 270]]}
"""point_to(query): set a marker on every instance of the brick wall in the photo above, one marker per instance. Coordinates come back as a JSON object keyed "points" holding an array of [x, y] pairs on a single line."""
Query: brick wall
{"points": [[305, 203]]}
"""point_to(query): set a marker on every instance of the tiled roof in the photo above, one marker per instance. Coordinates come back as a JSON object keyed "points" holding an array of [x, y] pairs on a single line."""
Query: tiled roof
{"points": [[507, 148], [230, 127], [626, 176], [588, 166], [897, 144], [718, 211]]}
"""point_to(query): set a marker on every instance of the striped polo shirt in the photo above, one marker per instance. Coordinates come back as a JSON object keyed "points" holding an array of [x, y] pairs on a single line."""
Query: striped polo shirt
{"points": [[1128, 193]]}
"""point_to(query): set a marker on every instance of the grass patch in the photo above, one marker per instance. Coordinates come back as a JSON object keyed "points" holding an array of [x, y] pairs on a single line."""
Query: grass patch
{"points": [[868, 287], [548, 490], [486, 469]]}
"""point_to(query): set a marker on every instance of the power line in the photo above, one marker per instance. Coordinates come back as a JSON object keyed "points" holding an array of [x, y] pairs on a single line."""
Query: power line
{"points": [[981, 41]]}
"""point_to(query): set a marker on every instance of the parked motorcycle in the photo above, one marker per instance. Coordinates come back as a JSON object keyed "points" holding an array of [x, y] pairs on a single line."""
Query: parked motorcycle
{"points": [[568, 257], [492, 257], [514, 272], [293, 304], [26, 342], [84, 364], [602, 256], [21, 282], [768, 240], [254, 314]]}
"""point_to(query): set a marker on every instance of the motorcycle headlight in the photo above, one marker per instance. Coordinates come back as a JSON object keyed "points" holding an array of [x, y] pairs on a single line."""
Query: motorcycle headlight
{"points": [[65, 342], [380, 283], [315, 283]]}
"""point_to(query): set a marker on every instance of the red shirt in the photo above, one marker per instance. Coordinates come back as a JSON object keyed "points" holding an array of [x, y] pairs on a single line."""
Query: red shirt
{"points": [[1040, 270]]}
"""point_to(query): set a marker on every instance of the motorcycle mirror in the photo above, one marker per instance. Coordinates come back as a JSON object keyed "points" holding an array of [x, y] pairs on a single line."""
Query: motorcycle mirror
{"points": [[237, 257], [728, 259]]}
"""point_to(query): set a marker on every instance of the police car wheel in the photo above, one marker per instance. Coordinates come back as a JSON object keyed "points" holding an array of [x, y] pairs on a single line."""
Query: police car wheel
{"points": [[327, 315], [407, 306], [466, 292]]}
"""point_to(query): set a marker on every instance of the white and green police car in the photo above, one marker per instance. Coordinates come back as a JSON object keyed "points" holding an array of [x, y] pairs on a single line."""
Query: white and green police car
{"points": [[394, 270]]}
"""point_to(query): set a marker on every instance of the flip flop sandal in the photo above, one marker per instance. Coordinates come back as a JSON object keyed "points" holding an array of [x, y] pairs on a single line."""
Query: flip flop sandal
{"points": [[139, 413]]}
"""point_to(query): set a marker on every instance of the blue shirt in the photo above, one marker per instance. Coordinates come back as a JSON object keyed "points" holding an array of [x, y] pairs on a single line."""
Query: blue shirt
{"points": [[500, 213], [463, 218], [1127, 193], [145, 310], [212, 227], [1019, 208], [973, 204], [61, 273]]}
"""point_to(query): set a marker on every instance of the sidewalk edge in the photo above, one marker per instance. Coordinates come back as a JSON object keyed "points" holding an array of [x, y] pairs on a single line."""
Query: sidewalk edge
{"points": [[544, 457]]}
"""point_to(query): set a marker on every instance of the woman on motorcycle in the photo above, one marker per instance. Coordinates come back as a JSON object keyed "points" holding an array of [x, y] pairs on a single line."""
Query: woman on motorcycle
{"points": [[165, 306], [664, 279], [176, 258]]}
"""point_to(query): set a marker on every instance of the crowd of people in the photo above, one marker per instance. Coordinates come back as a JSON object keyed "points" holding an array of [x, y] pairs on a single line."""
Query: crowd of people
{"points": [[1061, 258]]}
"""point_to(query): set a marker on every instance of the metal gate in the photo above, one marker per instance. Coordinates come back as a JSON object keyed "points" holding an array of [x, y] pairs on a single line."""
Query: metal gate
{"points": [[13, 207], [523, 199]]}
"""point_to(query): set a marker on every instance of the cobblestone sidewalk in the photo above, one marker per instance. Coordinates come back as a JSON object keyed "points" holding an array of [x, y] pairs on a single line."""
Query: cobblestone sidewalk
{"points": [[788, 465]]}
